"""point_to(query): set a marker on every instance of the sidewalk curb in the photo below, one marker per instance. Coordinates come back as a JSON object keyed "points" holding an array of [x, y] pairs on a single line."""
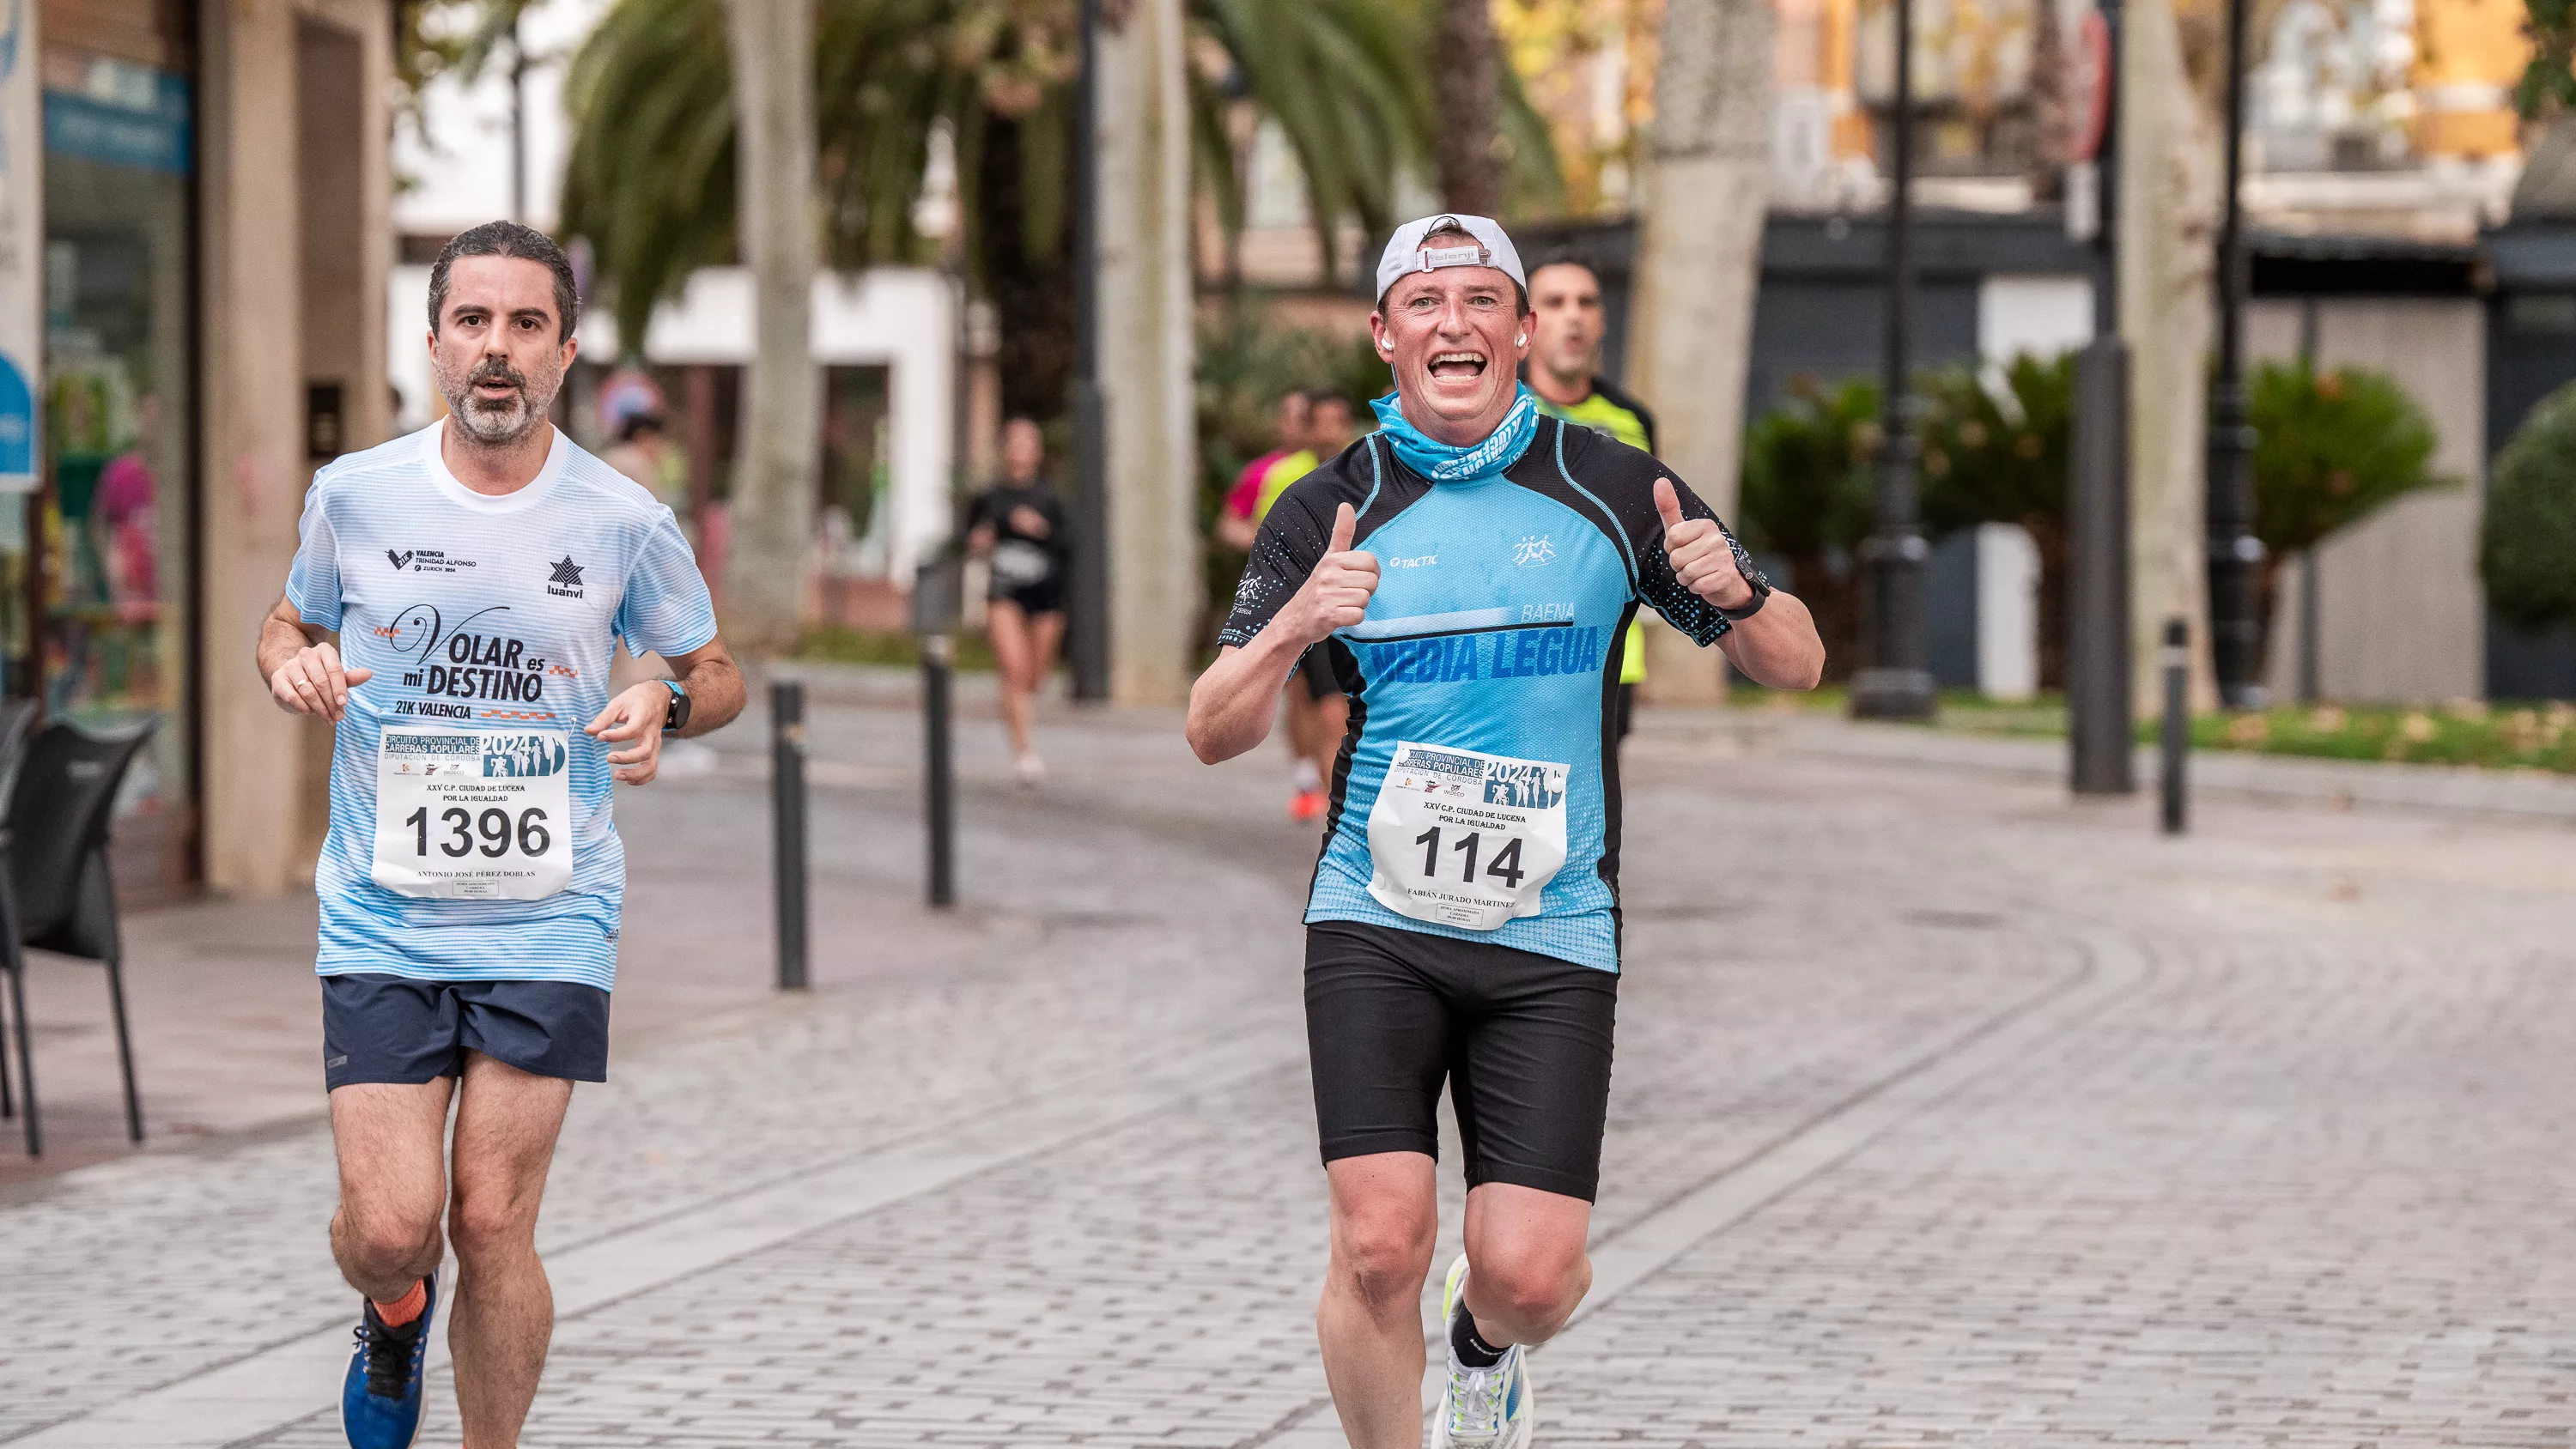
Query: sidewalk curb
{"points": [[2530, 796]]}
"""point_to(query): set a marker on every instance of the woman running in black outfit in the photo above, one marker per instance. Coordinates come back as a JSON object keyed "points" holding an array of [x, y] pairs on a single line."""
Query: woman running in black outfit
{"points": [[1018, 526]]}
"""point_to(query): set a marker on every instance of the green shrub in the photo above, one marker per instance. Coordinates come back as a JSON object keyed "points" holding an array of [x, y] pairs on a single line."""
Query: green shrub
{"points": [[1810, 472], [2528, 557], [2331, 449]]}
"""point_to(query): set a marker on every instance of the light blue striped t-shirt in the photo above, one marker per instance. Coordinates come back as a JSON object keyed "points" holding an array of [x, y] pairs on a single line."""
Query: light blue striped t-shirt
{"points": [[488, 613]]}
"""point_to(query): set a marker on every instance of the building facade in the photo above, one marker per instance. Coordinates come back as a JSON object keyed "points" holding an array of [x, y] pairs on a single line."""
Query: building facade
{"points": [[204, 196]]}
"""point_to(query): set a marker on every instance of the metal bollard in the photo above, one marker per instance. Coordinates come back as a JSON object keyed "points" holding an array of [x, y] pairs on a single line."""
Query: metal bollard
{"points": [[2175, 738], [787, 814], [939, 769]]}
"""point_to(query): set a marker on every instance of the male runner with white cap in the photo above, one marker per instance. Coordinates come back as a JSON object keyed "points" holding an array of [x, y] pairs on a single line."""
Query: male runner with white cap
{"points": [[1464, 919]]}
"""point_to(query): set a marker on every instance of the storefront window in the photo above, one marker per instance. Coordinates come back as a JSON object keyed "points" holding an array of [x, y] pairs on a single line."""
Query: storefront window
{"points": [[115, 619]]}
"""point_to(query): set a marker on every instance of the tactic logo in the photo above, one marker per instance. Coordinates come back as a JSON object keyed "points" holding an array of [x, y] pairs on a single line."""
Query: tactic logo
{"points": [[565, 581], [399, 559]]}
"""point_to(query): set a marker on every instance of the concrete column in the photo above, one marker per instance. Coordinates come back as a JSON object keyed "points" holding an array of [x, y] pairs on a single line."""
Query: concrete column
{"points": [[1145, 354], [251, 373]]}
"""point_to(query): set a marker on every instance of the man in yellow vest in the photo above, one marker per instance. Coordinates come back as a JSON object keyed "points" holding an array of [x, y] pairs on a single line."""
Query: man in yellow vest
{"points": [[1564, 370]]}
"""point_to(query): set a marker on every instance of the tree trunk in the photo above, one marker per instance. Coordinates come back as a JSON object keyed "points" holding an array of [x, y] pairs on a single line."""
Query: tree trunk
{"points": [[1468, 80], [2168, 212], [1145, 362], [779, 443], [1699, 258]]}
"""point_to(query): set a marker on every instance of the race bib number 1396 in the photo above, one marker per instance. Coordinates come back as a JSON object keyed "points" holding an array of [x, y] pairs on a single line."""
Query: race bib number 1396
{"points": [[1462, 838], [473, 815]]}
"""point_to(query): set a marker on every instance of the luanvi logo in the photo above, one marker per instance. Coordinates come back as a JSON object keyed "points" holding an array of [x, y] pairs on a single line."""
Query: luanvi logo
{"points": [[399, 559], [565, 581]]}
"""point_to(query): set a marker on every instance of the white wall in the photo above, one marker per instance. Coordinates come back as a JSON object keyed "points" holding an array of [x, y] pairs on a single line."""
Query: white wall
{"points": [[2039, 314]]}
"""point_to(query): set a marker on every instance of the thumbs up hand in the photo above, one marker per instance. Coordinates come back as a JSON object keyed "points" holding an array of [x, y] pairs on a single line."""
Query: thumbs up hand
{"points": [[1702, 557], [1336, 594]]}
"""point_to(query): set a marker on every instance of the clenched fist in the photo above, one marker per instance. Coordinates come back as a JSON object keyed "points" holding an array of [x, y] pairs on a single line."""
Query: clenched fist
{"points": [[312, 682], [1702, 557], [1336, 594]]}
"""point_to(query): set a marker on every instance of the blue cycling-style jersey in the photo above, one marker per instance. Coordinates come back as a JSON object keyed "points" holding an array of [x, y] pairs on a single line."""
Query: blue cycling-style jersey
{"points": [[1477, 795]]}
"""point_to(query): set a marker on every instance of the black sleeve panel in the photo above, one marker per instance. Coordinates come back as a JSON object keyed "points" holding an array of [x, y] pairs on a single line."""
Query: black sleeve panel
{"points": [[1293, 536], [1624, 480]]}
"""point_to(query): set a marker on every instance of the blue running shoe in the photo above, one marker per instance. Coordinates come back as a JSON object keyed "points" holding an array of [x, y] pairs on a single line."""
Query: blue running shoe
{"points": [[381, 1400]]}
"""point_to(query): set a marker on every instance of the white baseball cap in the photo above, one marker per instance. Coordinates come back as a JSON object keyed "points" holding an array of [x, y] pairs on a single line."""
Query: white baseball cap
{"points": [[1405, 252]]}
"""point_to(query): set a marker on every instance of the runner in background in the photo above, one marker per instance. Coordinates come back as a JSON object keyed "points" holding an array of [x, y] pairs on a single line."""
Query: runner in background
{"points": [[1564, 373], [1018, 524], [1318, 711], [1243, 502]]}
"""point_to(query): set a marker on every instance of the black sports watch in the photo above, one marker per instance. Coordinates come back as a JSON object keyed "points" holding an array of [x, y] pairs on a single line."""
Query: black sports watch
{"points": [[1752, 606], [678, 719]]}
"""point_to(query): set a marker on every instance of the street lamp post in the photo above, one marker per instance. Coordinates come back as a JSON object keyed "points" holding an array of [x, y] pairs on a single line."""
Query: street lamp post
{"points": [[2100, 692], [2235, 554], [1895, 685], [1088, 650]]}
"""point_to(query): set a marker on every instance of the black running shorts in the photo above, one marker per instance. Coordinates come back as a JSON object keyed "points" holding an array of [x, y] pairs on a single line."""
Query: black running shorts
{"points": [[1522, 1040], [1044, 596], [383, 1028], [1317, 672]]}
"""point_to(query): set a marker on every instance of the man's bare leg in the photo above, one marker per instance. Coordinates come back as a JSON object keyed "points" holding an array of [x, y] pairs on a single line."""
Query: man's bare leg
{"points": [[1386, 1212], [506, 1124], [1526, 1266], [392, 1145]]}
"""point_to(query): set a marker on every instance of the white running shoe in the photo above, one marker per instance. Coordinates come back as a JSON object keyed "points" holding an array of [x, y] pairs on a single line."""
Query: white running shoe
{"points": [[1029, 771], [1486, 1408]]}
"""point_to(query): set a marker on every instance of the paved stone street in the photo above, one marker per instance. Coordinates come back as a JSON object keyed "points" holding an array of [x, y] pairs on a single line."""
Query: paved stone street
{"points": [[1947, 1111]]}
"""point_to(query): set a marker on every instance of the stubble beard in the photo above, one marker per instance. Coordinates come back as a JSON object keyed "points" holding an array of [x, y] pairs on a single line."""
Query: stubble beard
{"points": [[502, 424]]}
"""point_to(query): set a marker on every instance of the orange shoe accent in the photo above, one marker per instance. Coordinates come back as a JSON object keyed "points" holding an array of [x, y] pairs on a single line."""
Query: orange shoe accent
{"points": [[406, 1308], [1309, 805]]}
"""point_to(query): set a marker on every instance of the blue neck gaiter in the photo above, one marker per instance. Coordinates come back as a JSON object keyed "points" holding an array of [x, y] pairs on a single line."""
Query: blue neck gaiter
{"points": [[1442, 463]]}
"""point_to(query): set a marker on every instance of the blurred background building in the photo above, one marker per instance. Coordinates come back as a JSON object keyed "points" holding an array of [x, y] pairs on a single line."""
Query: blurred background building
{"points": [[194, 201]]}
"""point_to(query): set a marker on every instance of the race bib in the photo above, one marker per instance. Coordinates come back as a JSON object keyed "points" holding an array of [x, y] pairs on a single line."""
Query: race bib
{"points": [[1018, 563], [1459, 838], [473, 815]]}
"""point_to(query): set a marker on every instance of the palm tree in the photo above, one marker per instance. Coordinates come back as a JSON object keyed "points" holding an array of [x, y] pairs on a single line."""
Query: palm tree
{"points": [[1471, 176], [1699, 252], [649, 179], [779, 448]]}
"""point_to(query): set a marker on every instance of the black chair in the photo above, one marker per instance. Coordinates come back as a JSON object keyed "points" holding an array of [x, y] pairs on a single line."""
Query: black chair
{"points": [[63, 897], [17, 720]]}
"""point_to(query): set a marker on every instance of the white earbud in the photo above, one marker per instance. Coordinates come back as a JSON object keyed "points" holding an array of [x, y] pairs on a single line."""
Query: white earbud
{"points": [[1521, 341], [1385, 346]]}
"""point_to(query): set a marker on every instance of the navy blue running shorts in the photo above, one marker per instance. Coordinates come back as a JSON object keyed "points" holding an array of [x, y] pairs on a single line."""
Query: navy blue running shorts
{"points": [[382, 1028], [1522, 1041]]}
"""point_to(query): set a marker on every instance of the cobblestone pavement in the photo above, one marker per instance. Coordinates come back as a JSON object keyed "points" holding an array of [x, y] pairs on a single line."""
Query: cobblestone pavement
{"points": [[1946, 1111]]}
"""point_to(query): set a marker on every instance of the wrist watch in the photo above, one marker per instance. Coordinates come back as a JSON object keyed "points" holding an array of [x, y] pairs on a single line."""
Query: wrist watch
{"points": [[1761, 595], [678, 719]]}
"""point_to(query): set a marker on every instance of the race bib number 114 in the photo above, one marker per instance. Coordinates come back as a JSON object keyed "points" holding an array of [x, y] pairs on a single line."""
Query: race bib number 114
{"points": [[1462, 838]]}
